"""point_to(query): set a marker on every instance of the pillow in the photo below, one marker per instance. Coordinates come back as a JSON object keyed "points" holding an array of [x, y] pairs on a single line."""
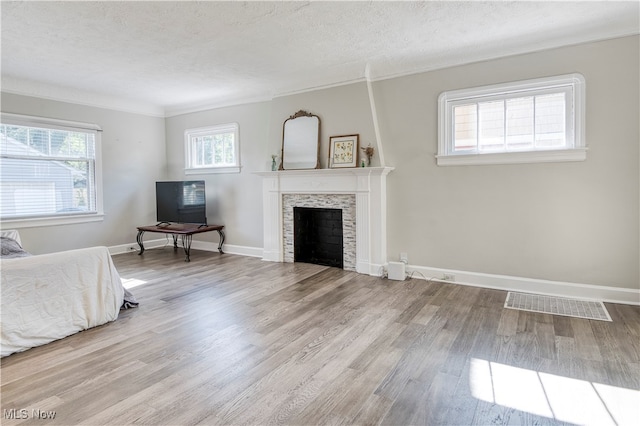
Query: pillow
{"points": [[11, 249]]}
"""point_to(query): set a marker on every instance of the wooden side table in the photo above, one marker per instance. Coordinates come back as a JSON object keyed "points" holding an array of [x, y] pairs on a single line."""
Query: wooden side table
{"points": [[184, 230]]}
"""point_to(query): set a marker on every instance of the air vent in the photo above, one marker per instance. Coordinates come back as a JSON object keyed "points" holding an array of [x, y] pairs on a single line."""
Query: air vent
{"points": [[557, 306]]}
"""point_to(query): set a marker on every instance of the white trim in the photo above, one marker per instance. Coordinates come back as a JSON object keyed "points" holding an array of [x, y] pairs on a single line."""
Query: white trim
{"points": [[374, 114], [197, 245], [211, 170], [97, 162], [67, 125], [318, 87], [212, 104], [134, 247], [591, 292], [367, 183], [375, 270], [51, 221], [33, 121], [531, 285], [572, 84], [551, 156], [513, 87], [228, 248], [206, 131]]}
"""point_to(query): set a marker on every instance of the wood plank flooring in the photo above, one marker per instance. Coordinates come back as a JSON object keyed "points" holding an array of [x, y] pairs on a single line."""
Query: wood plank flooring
{"points": [[228, 339]]}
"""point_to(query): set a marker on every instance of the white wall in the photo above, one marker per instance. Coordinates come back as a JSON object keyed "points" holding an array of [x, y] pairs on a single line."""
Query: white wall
{"points": [[572, 222], [569, 222], [133, 158], [343, 110], [235, 199]]}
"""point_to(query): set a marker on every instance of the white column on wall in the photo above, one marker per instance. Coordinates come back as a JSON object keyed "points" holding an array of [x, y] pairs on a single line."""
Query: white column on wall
{"points": [[379, 221], [363, 242], [272, 220], [374, 115]]}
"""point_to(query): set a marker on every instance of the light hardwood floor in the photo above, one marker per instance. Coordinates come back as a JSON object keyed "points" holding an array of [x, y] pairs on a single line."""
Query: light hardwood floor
{"points": [[234, 340]]}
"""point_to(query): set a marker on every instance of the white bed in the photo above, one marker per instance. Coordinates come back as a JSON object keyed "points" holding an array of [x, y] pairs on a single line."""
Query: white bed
{"points": [[50, 296]]}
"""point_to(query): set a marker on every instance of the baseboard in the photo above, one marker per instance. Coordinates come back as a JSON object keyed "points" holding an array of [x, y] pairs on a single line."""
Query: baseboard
{"points": [[128, 248], [228, 248], [529, 285], [197, 245], [372, 269], [474, 279]]}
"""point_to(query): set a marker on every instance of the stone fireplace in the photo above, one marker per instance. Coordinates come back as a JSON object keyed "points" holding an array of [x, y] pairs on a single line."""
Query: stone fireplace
{"points": [[359, 192], [344, 202]]}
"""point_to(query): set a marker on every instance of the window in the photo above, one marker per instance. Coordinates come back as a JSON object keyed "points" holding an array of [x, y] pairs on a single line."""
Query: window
{"points": [[212, 149], [538, 120], [50, 171]]}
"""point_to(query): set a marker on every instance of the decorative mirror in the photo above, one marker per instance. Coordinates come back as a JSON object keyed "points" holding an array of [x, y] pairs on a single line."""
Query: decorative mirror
{"points": [[301, 142]]}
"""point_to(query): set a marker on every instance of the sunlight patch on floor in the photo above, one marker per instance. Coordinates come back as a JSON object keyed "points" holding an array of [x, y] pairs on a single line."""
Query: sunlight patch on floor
{"points": [[549, 395], [129, 283]]}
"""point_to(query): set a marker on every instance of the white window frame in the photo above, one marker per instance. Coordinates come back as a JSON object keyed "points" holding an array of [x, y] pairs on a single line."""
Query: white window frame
{"points": [[190, 168], [575, 149], [50, 123]]}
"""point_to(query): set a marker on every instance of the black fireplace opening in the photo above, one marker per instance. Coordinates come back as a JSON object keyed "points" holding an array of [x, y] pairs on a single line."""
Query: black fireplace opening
{"points": [[317, 236]]}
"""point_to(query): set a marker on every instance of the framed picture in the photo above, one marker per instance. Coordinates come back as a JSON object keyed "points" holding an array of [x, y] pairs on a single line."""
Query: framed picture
{"points": [[343, 151]]}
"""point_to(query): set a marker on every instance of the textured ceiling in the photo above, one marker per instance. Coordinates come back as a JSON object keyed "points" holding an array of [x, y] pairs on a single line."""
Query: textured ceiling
{"points": [[175, 56]]}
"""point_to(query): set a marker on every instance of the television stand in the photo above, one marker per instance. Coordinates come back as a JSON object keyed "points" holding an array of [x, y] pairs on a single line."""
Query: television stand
{"points": [[184, 230]]}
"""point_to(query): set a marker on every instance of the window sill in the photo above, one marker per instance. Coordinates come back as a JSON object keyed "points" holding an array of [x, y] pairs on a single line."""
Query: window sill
{"points": [[554, 156], [212, 170], [51, 221]]}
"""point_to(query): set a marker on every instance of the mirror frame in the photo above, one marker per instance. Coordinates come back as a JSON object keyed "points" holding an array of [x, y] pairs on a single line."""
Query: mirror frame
{"points": [[283, 154]]}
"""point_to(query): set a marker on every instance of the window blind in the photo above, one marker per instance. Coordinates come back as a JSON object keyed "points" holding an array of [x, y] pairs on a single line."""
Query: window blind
{"points": [[47, 169]]}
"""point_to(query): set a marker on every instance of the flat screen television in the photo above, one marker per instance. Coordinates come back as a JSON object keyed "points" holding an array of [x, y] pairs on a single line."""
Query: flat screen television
{"points": [[181, 202]]}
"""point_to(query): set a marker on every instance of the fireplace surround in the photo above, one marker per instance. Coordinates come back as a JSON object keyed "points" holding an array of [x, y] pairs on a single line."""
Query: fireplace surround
{"points": [[365, 186], [346, 203]]}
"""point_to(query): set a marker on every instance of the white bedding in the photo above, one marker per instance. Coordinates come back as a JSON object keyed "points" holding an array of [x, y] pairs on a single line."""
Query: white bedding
{"points": [[51, 296]]}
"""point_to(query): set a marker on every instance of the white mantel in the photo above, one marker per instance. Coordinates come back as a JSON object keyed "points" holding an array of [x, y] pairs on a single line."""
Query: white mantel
{"points": [[368, 184]]}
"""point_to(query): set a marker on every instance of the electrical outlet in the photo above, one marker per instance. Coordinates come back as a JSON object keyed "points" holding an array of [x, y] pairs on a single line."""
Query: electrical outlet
{"points": [[448, 277], [404, 258]]}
